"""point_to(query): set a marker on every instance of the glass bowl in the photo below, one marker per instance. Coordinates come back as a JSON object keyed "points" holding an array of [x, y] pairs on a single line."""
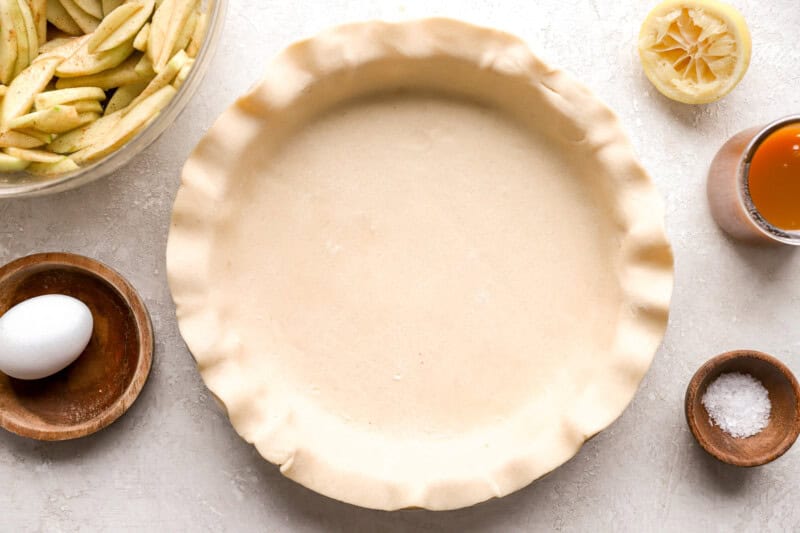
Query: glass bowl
{"points": [[22, 184]]}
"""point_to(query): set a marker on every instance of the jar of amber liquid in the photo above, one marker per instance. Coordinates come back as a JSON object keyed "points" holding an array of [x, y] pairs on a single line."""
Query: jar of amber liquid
{"points": [[754, 183]]}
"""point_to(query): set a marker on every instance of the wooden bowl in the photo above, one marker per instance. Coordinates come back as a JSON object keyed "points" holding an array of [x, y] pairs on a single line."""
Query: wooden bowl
{"points": [[784, 421], [105, 380]]}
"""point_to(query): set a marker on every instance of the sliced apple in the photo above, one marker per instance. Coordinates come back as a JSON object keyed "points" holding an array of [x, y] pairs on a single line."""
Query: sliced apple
{"points": [[145, 67], [183, 73], [92, 7], [54, 44], [84, 63], [8, 43], [158, 29], [111, 5], [198, 35], [21, 31], [163, 78], [140, 42], [39, 13], [64, 51], [65, 96], [29, 29], [84, 136], [87, 117], [87, 106], [111, 24], [185, 34], [87, 22], [58, 17], [44, 138], [22, 91], [56, 119], [19, 139], [64, 166], [3, 90], [34, 156], [125, 22], [12, 164], [125, 74], [124, 96], [179, 19], [136, 119]]}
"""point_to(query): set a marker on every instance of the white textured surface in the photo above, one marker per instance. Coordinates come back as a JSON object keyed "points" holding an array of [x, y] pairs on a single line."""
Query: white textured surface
{"points": [[174, 463]]}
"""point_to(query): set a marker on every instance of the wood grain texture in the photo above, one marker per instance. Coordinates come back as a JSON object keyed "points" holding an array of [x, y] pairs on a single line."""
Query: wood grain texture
{"points": [[105, 380], [784, 422]]}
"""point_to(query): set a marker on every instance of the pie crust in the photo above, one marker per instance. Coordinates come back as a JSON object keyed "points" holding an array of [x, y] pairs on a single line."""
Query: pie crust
{"points": [[417, 266]]}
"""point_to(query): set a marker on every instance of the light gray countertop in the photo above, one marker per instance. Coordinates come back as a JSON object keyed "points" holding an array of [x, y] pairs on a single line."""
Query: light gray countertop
{"points": [[174, 463]]}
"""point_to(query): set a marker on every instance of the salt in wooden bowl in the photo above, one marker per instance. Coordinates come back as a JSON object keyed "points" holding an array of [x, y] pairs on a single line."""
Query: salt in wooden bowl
{"points": [[784, 422]]}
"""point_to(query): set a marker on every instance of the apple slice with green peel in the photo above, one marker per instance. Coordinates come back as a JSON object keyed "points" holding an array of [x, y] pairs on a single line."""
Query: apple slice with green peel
{"points": [[39, 13], [163, 78], [84, 136], [125, 74], [29, 29], [140, 42], [179, 19], [64, 166], [57, 119], [193, 48], [92, 7], [124, 96], [12, 164], [158, 29], [111, 5], [8, 43], [19, 139], [44, 138], [111, 23], [83, 63], [34, 156], [124, 25], [84, 20], [58, 17], [21, 30], [134, 120], [65, 96], [22, 91]]}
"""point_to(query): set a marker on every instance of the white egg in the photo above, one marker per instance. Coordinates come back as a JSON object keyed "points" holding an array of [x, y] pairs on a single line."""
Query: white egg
{"points": [[43, 335]]}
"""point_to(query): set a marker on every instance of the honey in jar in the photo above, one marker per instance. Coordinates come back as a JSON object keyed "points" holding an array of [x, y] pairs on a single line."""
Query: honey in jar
{"points": [[773, 179]]}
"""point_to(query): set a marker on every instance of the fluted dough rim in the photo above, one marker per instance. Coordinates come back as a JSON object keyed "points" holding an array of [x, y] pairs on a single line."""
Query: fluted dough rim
{"points": [[645, 265]]}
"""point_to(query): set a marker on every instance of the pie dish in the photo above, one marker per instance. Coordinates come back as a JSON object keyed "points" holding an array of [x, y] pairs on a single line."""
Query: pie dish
{"points": [[417, 266]]}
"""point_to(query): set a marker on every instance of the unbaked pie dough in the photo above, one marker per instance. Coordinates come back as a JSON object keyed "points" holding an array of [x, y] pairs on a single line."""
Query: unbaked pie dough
{"points": [[417, 266]]}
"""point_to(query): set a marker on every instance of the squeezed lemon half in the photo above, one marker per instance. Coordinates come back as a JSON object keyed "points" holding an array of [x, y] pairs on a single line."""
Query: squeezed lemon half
{"points": [[694, 51]]}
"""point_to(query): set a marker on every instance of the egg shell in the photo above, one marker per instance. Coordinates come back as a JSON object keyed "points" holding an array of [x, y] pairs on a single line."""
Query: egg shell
{"points": [[43, 335]]}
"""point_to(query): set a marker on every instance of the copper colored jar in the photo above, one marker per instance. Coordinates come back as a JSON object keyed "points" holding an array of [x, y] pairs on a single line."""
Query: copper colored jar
{"points": [[729, 191]]}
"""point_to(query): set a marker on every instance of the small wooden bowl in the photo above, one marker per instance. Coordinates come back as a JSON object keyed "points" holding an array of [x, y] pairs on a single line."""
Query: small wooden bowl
{"points": [[784, 422], [106, 379]]}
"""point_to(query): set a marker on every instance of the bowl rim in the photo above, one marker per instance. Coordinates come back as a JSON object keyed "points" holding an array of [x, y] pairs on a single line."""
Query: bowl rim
{"points": [[144, 328], [692, 397]]}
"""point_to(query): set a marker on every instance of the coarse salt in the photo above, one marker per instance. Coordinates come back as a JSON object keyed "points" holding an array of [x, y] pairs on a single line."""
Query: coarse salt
{"points": [[738, 403]]}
